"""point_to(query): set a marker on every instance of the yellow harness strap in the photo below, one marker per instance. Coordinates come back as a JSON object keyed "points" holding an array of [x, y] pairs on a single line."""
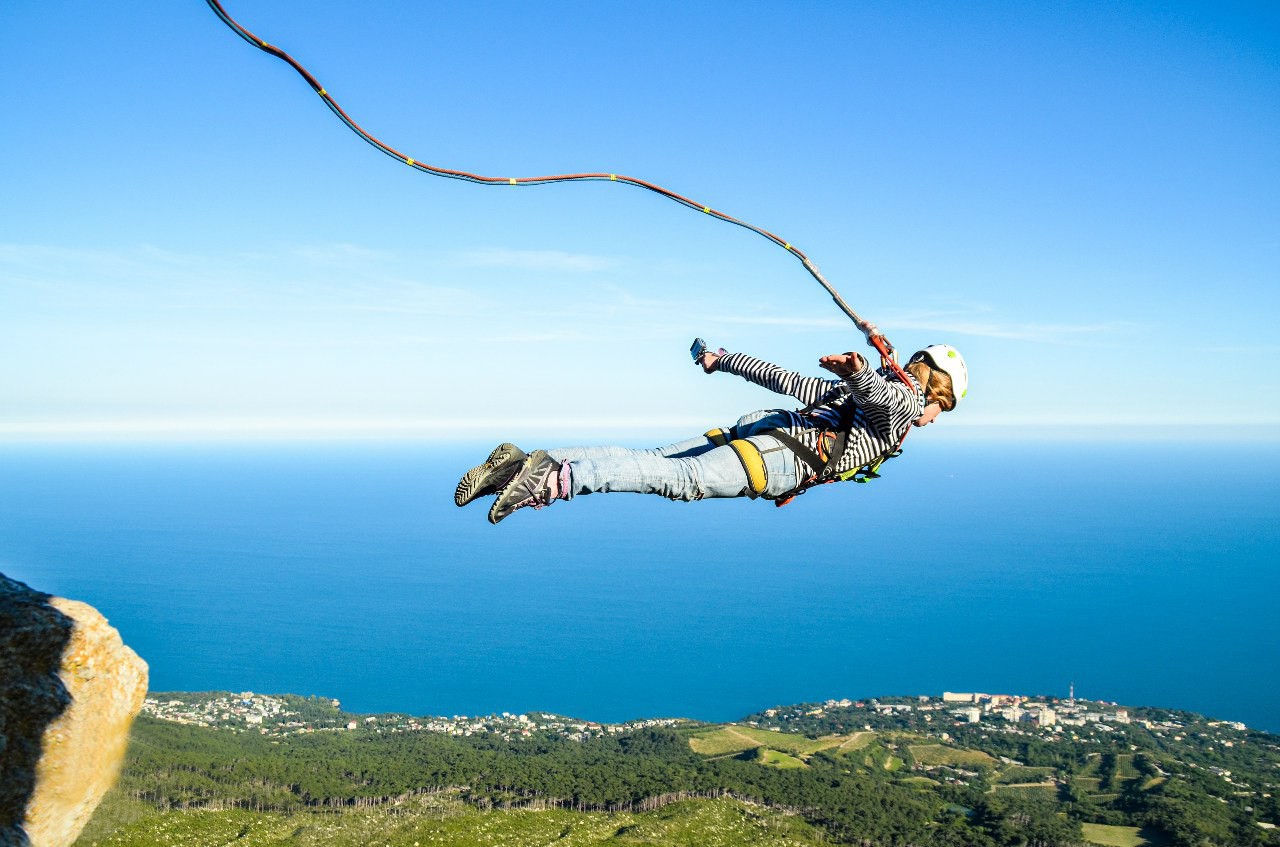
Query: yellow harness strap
{"points": [[718, 436], [753, 464]]}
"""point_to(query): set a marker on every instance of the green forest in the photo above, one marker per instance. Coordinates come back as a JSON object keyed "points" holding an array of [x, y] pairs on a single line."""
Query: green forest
{"points": [[803, 774]]}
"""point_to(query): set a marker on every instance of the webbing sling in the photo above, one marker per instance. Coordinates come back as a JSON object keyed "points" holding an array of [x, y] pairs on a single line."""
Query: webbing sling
{"points": [[748, 454], [753, 464], [822, 469], [720, 436], [824, 472]]}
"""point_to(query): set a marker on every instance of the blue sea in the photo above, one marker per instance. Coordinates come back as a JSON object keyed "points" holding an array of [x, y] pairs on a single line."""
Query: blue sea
{"points": [[1142, 573]]}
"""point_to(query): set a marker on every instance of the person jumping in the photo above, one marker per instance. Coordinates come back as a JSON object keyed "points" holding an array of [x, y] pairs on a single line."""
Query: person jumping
{"points": [[847, 427]]}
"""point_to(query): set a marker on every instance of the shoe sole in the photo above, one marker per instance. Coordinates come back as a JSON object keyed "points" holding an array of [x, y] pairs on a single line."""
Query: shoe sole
{"points": [[487, 478], [502, 508], [499, 509]]}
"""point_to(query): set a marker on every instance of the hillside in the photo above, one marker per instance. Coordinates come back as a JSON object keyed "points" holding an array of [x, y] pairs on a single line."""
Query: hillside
{"points": [[218, 767]]}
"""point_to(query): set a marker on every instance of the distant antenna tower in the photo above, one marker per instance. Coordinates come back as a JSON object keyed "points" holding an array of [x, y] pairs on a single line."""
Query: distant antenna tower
{"points": [[1071, 700]]}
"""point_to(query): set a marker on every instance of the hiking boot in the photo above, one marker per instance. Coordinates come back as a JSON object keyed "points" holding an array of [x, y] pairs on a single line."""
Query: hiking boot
{"points": [[536, 484], [484, 479]]}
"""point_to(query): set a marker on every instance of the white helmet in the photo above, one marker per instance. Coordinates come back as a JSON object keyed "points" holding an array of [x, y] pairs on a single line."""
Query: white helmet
{"points": [[947, 359]]}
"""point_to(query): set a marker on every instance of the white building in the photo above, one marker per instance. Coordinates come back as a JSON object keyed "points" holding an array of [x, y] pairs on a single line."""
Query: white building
{"points": [[1041, 715]]}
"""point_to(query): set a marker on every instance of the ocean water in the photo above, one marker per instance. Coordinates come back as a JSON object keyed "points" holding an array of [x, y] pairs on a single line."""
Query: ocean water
{"points": [[1143, 574]]}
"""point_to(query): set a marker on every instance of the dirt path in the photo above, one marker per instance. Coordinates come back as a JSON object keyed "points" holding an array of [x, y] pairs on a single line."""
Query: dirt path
{"points": [[855, 739], [754, 742]]}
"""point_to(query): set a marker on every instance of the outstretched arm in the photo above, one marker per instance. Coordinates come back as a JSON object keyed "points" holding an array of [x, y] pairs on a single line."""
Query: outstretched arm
{"points": [[870, 390], [806, 389]]}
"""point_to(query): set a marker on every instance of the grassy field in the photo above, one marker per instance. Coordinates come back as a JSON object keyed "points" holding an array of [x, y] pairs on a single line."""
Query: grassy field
{"points": [[1021, 773], [1120, 836], [735, 739], [854, 741], [446, 822], [937, 754], [781, 760], [727, 739]]}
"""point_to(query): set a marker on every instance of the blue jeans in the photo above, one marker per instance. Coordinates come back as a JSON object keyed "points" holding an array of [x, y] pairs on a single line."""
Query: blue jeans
{"points": [[692, 469]]}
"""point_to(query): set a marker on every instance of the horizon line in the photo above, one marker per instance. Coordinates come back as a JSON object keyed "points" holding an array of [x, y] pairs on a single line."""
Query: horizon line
{"points": [[450, 431]]}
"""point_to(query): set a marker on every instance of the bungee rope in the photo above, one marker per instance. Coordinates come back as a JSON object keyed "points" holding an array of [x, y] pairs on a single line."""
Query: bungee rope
{"points": [[873, 335]]}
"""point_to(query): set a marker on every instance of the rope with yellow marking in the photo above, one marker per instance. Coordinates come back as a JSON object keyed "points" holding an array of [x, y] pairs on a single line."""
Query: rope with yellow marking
{"points": [[874, 337]]}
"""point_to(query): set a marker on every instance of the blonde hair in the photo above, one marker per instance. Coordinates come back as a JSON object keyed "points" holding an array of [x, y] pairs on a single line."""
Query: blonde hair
{"points": [[937, 385]]}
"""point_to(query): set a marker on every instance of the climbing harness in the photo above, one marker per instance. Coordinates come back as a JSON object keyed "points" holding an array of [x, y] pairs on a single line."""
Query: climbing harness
{"points": [[822, 463], [822, 467], [832, 444], [872, 333]]}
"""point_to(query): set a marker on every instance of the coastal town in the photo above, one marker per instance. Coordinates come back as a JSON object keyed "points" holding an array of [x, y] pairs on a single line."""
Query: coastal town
{"points": [[1045, 718], [968, 718], [284, 715], [1006, 713]]}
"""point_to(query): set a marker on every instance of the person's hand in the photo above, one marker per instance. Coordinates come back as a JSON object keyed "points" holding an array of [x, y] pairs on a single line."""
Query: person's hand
{"points": [[710, 362], [842, 364]]}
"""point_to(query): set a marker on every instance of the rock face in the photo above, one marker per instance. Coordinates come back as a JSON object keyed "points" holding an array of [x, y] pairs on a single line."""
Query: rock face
{"points": [[33, 635], [69, 690]]}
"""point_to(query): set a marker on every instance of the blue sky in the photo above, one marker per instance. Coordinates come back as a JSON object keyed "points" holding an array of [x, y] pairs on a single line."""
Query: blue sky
{"points": [[1085, 198]]}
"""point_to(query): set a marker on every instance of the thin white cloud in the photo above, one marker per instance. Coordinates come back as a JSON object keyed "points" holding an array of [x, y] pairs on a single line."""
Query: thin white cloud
{"points": [[64, 268], [481, 341], [770, 320], [299, 278], [975, 325], [36, 263], [550, 337], [31, 254], [536, 260], [149, 259], [340, 254], [972, 322], [1230, 349], [358, 279]]}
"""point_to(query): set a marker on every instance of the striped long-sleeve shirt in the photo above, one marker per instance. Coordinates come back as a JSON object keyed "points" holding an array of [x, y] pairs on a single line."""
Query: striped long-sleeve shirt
{"points": [[874, 407]]}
